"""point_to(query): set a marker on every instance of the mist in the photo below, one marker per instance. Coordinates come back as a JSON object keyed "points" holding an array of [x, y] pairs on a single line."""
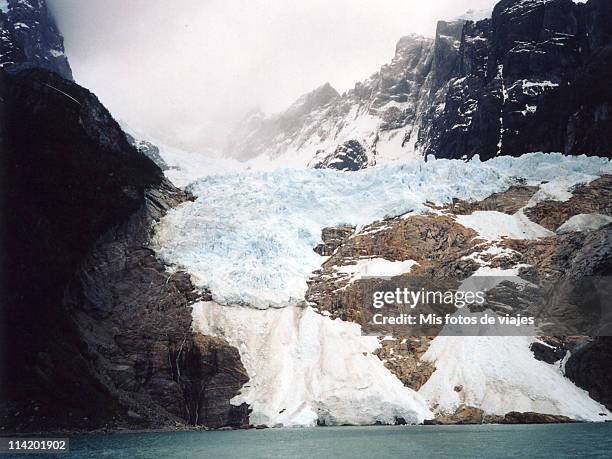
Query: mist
{"points": [[184, 72]]}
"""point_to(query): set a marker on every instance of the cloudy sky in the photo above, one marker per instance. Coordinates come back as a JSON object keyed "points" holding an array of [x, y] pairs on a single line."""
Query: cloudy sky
{"points": [[183, 71]]}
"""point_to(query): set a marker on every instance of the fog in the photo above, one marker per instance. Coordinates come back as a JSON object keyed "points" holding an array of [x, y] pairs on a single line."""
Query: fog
{"points": [[184, 71]]}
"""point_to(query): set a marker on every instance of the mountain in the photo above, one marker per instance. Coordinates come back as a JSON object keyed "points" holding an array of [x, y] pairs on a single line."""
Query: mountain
{"points": [[377, 115], [532, 77], [130, 303], [29, 38]]}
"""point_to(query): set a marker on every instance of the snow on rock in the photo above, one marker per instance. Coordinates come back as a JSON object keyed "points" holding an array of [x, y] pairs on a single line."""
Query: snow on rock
{"points": [[493, 225], [488, 250], [249, 236], [584, 222], [499, 374], [305, 368], [476, 14], [376, 267]]}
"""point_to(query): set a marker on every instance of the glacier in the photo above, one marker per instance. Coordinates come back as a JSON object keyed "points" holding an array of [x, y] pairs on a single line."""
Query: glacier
{"points": [[249, 235]]}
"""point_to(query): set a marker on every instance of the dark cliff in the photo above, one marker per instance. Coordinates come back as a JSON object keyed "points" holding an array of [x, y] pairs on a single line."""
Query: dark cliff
{"points": [[96, 332], [534, 77]]}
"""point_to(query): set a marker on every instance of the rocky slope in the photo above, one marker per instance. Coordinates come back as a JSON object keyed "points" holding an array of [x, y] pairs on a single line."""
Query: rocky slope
{"points": [[532, 77], [97, 333], [29, 38], [445, 248]]}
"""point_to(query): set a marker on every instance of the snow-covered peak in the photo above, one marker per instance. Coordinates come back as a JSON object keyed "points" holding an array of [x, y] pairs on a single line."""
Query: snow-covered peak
{"points": [[374, 114]]}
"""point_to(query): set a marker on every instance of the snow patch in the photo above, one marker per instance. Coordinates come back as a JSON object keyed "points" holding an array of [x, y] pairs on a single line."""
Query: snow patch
{"points": [[559, 189], [499, 374], [376, 267], [492, 225]]}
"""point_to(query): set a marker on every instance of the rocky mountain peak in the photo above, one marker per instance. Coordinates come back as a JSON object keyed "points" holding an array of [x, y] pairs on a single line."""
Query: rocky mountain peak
{"points": [[408, 42], [29, 38], [313, 100]]}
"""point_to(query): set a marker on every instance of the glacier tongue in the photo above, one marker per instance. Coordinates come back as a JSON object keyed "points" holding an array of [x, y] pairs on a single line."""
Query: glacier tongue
{"points": [[306, 368]]}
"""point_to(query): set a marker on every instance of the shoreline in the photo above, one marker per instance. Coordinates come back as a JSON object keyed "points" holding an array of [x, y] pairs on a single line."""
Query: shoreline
{"points": [[178, 429]]}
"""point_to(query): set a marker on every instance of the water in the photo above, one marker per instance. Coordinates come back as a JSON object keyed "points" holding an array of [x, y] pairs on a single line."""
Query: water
{"points": [[540, 441]]}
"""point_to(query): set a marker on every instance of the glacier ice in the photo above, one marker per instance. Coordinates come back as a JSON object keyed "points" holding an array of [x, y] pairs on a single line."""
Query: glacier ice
{"points": [[249, 235], [306, 368]]}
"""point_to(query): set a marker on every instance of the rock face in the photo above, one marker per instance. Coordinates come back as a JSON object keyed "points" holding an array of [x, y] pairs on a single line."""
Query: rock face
{"points": [[350, 156], [515, 417], [463, 415], [333, 237], [29, 38], [547, 353], [97, 333], [590, 367], [149, 150], [532, 77]]}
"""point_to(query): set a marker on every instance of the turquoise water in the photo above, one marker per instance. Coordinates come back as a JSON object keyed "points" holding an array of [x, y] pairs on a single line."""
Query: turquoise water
{"points": [[544, 441]]}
